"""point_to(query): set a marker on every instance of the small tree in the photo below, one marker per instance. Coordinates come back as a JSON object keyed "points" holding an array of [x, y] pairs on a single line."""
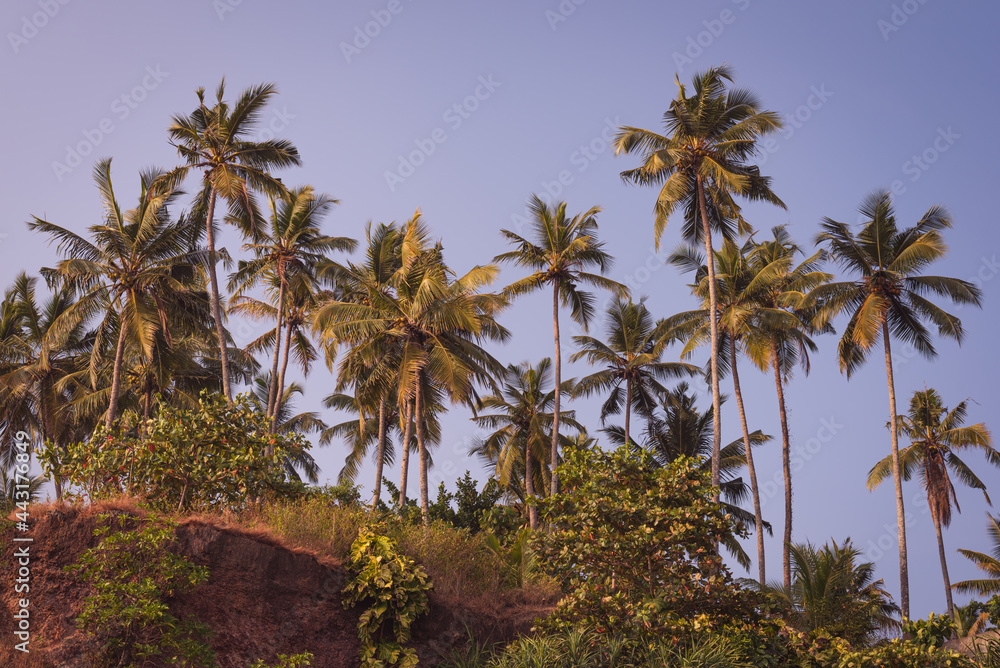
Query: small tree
{"points": [[634, 546]]}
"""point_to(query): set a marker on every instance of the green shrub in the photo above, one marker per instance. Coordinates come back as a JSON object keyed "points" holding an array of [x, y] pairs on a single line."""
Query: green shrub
{"points": [[393, 590], [824, 651], [209, 457], [284, 661], [934, 631], [133, 574]]}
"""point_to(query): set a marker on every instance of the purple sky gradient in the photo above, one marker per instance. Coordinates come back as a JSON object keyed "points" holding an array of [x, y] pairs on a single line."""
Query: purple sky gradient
{"points": [[866, 87]]}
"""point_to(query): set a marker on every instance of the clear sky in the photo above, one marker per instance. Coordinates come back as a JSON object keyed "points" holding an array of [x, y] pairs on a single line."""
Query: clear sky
{"points": [[465, 109]]}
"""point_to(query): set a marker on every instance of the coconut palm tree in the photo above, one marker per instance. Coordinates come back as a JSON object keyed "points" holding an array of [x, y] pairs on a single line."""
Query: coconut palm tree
{"points": [[521, 418], [218, 141], [890, 296], [701, 163], [435, 318], [988, 563], [297, 463], [936, 436], [560, 255], [134, 270], [292, 247], [631, 357]]}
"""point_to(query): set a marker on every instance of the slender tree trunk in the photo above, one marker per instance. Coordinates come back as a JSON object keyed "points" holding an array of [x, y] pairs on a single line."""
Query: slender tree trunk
{"points": [[380, 460], [529, 486], [904, 578], [758, 519], [280, 389], [116, 374], [147, 406], [786, 564], [405, 463], [271, 390], [557, 372], [422, 447], [220, 331], [944, 563], [713, 305], [628, 411]]}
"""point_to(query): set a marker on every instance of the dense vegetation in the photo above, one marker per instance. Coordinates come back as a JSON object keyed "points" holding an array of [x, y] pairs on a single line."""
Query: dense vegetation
{"points": [[125, 372]]}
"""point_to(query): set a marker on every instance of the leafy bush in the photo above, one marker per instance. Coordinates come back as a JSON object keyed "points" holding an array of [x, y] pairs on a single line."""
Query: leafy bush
{"points": [[394, 591], [634, 547], [133, 575], [824, 651], [210, 457], [284, 661], [934, 631]]}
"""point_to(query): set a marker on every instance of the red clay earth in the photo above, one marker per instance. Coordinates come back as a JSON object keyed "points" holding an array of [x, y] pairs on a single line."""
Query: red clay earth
{"points": [[262, 598]]}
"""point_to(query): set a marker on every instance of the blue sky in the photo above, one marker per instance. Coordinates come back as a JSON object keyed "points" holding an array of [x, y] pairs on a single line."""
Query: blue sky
{"points": [[465, 109]]}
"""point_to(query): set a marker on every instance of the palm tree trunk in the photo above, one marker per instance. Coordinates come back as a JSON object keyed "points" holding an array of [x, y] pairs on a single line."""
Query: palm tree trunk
{"points": [[421, 447], [758, 519], [405, 463], [944, 563], [380, 460], [116, 375], [220, 331], [280, 389], [271, 393], [147, 405], [713, 305], [786, 564], [904, 578], [529, 486], [557, 373], [628, 411]]}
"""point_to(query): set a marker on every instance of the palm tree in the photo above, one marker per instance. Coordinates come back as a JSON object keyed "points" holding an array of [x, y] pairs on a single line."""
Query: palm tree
{"points": [[988, 563], [298, 462], [700, 164], [436, 320], [631, 356], [292, 248], [936, 434], [133, 270], [521, 417], [559, 255], [890, 296], [217, 140]]}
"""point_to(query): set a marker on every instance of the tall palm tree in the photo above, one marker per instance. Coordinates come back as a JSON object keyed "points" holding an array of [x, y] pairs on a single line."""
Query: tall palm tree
{"points": [[936, 434], [560, 254], [890, 297], [133, 270], [701, 163], [218, 140], [988, 563], [521, 417], [436, 319], [292, 247], [631, 357], [298, 462]]}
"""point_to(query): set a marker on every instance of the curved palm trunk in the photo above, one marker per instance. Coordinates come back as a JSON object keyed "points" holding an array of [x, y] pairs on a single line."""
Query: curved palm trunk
{"points": [[713, 320], [628, 411], [944, 564], [280, 389], [271, 393], [147, 406], [421, 447], [116, 375], [405, 463], [380, 460], [757, 517], [529, 485], [557, 373], [220, 331], [904, 578], [786, 565]]}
